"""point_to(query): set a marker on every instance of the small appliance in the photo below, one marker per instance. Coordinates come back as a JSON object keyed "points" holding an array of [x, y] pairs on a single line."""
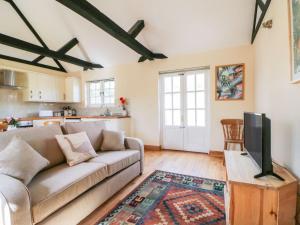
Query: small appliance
{"points": [[46, 113]]}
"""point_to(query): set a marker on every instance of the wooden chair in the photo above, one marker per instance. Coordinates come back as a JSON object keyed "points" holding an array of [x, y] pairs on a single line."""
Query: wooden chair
{"points": [[3, 127], [47, 123], [233, 130]]}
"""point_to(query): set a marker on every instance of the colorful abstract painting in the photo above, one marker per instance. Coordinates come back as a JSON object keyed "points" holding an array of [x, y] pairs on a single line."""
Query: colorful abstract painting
{"points": [[230, 82], [169, 198], [295, 39]]}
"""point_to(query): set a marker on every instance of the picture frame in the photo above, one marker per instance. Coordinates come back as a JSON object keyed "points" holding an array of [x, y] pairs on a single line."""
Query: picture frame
{"points": [[230, 82], [294, 34]]}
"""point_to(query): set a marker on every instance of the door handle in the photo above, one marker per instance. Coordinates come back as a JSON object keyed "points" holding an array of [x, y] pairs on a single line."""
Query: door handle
{"points": [[182, 127]]}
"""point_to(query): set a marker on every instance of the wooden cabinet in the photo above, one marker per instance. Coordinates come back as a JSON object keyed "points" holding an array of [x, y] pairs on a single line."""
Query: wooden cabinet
{"points": [[263, 201], [47, 88]]}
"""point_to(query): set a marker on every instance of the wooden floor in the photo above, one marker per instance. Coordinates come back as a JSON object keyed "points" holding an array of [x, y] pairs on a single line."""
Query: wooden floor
{"points": [[195, 164]]}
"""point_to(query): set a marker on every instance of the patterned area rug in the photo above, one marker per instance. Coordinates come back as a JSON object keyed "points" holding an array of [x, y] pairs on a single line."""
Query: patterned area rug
{"points": [[169, 198]]}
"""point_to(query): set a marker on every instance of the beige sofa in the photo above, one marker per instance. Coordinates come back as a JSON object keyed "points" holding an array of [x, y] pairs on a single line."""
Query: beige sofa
{"points": [[61, 194]]}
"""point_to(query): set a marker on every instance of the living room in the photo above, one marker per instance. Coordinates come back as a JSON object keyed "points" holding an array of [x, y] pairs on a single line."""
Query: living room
{"points": [[123, 101]]}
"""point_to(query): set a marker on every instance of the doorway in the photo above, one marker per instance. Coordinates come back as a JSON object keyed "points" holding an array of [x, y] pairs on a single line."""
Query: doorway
{"points": [[185, 110]]}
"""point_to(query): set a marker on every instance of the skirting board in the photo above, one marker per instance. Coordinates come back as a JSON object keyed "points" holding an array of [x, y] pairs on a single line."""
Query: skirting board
{"points": [[218, 154], [152, 148]]}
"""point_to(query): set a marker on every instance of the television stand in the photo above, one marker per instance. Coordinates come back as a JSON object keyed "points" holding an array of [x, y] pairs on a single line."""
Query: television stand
{"points": [[250, 201], [271, 173]]}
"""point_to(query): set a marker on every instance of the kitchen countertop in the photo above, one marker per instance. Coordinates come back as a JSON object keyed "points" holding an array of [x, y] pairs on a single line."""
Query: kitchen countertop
{"points": [[72, 117]]}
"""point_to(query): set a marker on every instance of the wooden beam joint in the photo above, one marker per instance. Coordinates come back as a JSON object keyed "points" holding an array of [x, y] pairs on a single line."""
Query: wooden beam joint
{"points": [[259, 4], [92, 14], [136, 28]]}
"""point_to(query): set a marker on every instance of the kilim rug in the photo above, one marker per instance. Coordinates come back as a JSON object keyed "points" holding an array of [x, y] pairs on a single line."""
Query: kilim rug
{"points": [[167, 198]]}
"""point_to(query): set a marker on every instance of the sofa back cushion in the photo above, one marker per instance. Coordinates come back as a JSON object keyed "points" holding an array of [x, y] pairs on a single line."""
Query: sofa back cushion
{"points": [[93, 130], [42, 139]]}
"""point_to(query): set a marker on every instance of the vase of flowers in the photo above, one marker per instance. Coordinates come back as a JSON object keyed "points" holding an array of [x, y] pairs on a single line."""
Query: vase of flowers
{"points": [[11, 122], [123, 103]]}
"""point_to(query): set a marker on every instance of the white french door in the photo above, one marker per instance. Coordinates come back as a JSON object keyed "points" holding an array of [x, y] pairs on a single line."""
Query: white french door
{"points": [[185, 110]]}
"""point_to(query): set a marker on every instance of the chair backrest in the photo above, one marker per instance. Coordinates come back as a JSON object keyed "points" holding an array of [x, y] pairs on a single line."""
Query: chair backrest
{"points": [[233, 129], [47, 123], [3, 127]]}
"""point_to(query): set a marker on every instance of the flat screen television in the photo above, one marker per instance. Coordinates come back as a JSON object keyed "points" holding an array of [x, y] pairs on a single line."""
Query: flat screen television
{"points": [[257, 142]]}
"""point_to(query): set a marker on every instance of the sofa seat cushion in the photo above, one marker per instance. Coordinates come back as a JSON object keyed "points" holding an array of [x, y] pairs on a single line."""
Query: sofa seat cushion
{"points": [[117, 160], [54, 188]]}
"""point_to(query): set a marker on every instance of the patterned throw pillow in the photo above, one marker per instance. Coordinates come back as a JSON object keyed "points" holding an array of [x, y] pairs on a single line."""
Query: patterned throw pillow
{"points": [[77, 147]]}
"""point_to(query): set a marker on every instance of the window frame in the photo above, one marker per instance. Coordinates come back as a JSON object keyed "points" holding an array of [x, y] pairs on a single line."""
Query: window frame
{"points": [[102, 93]]}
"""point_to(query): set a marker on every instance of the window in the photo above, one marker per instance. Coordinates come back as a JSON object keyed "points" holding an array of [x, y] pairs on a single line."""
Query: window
{"points": [[100, 92]]}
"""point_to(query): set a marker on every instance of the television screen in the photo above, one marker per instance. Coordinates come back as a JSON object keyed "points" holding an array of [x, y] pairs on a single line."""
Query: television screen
{"points": [[253, 136]]}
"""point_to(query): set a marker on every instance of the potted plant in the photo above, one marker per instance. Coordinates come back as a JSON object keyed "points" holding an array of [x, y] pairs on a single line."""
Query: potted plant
{"points": [[123, 103], [11, 122]]}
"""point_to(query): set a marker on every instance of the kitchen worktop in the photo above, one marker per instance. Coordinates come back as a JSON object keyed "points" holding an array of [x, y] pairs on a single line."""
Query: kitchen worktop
{"points": [[71, 117]]}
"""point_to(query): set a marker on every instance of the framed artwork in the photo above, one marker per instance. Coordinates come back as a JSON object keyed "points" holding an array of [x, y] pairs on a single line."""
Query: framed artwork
{"points": [[230, 82], [294, 12]]}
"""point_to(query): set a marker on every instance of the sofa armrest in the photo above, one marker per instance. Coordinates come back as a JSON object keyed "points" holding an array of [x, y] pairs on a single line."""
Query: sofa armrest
{"points": [[136, 144], [14, 202]]}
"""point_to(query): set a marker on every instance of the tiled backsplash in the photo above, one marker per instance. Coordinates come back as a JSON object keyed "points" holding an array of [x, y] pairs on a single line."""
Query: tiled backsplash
{"points": [[12, 104]]}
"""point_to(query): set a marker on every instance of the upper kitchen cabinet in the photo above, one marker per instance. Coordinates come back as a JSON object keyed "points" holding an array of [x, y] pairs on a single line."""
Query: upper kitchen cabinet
{"points": [[49, 88], [73, 89]]}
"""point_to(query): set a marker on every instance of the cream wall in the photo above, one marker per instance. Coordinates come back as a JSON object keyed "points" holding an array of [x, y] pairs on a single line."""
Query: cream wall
{"points": [[274, 94], [139, 83]]}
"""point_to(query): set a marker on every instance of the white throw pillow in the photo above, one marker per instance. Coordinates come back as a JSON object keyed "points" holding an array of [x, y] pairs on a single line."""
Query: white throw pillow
{"points": [[113, 140], [77, 147], [21, 161]]}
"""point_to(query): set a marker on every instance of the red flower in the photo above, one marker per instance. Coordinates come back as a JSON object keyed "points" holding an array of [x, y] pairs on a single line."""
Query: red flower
{"points": [[122, 100]]}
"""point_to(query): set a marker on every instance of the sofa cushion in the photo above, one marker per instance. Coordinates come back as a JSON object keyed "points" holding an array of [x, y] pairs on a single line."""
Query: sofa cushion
{"points": [[92, 129], [54, 188], [117, 160], [76, 147], [42, 139], [21, 161], [113, 140]]}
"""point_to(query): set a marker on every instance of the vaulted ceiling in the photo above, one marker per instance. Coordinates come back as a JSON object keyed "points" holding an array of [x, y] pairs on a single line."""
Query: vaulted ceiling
{"points": [[172, 27]]}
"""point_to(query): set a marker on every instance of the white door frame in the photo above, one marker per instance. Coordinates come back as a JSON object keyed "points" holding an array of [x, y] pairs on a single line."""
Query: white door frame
{"points": [[208, 102]]}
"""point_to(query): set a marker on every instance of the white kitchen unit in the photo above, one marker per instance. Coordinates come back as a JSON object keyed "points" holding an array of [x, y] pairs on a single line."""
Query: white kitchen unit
{"points": [[49, 88], [73, 89], [41, 122], [120, 124]]}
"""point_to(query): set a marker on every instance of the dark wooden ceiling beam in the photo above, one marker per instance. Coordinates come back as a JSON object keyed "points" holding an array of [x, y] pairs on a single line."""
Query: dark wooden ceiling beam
{"points": [[29, 62], [23, 45], [34, 32], [92, 14], [257, 22], [136, 28], [261, 4], [63, 50]]}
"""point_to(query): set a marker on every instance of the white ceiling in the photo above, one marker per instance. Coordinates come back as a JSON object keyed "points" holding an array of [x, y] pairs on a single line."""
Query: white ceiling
{"points": [[172, 27]]}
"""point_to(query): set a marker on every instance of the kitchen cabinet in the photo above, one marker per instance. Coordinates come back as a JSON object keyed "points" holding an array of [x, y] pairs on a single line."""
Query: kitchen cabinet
{"points": [[47, 88], [120, 124], [73, 89], [41, 122]]}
